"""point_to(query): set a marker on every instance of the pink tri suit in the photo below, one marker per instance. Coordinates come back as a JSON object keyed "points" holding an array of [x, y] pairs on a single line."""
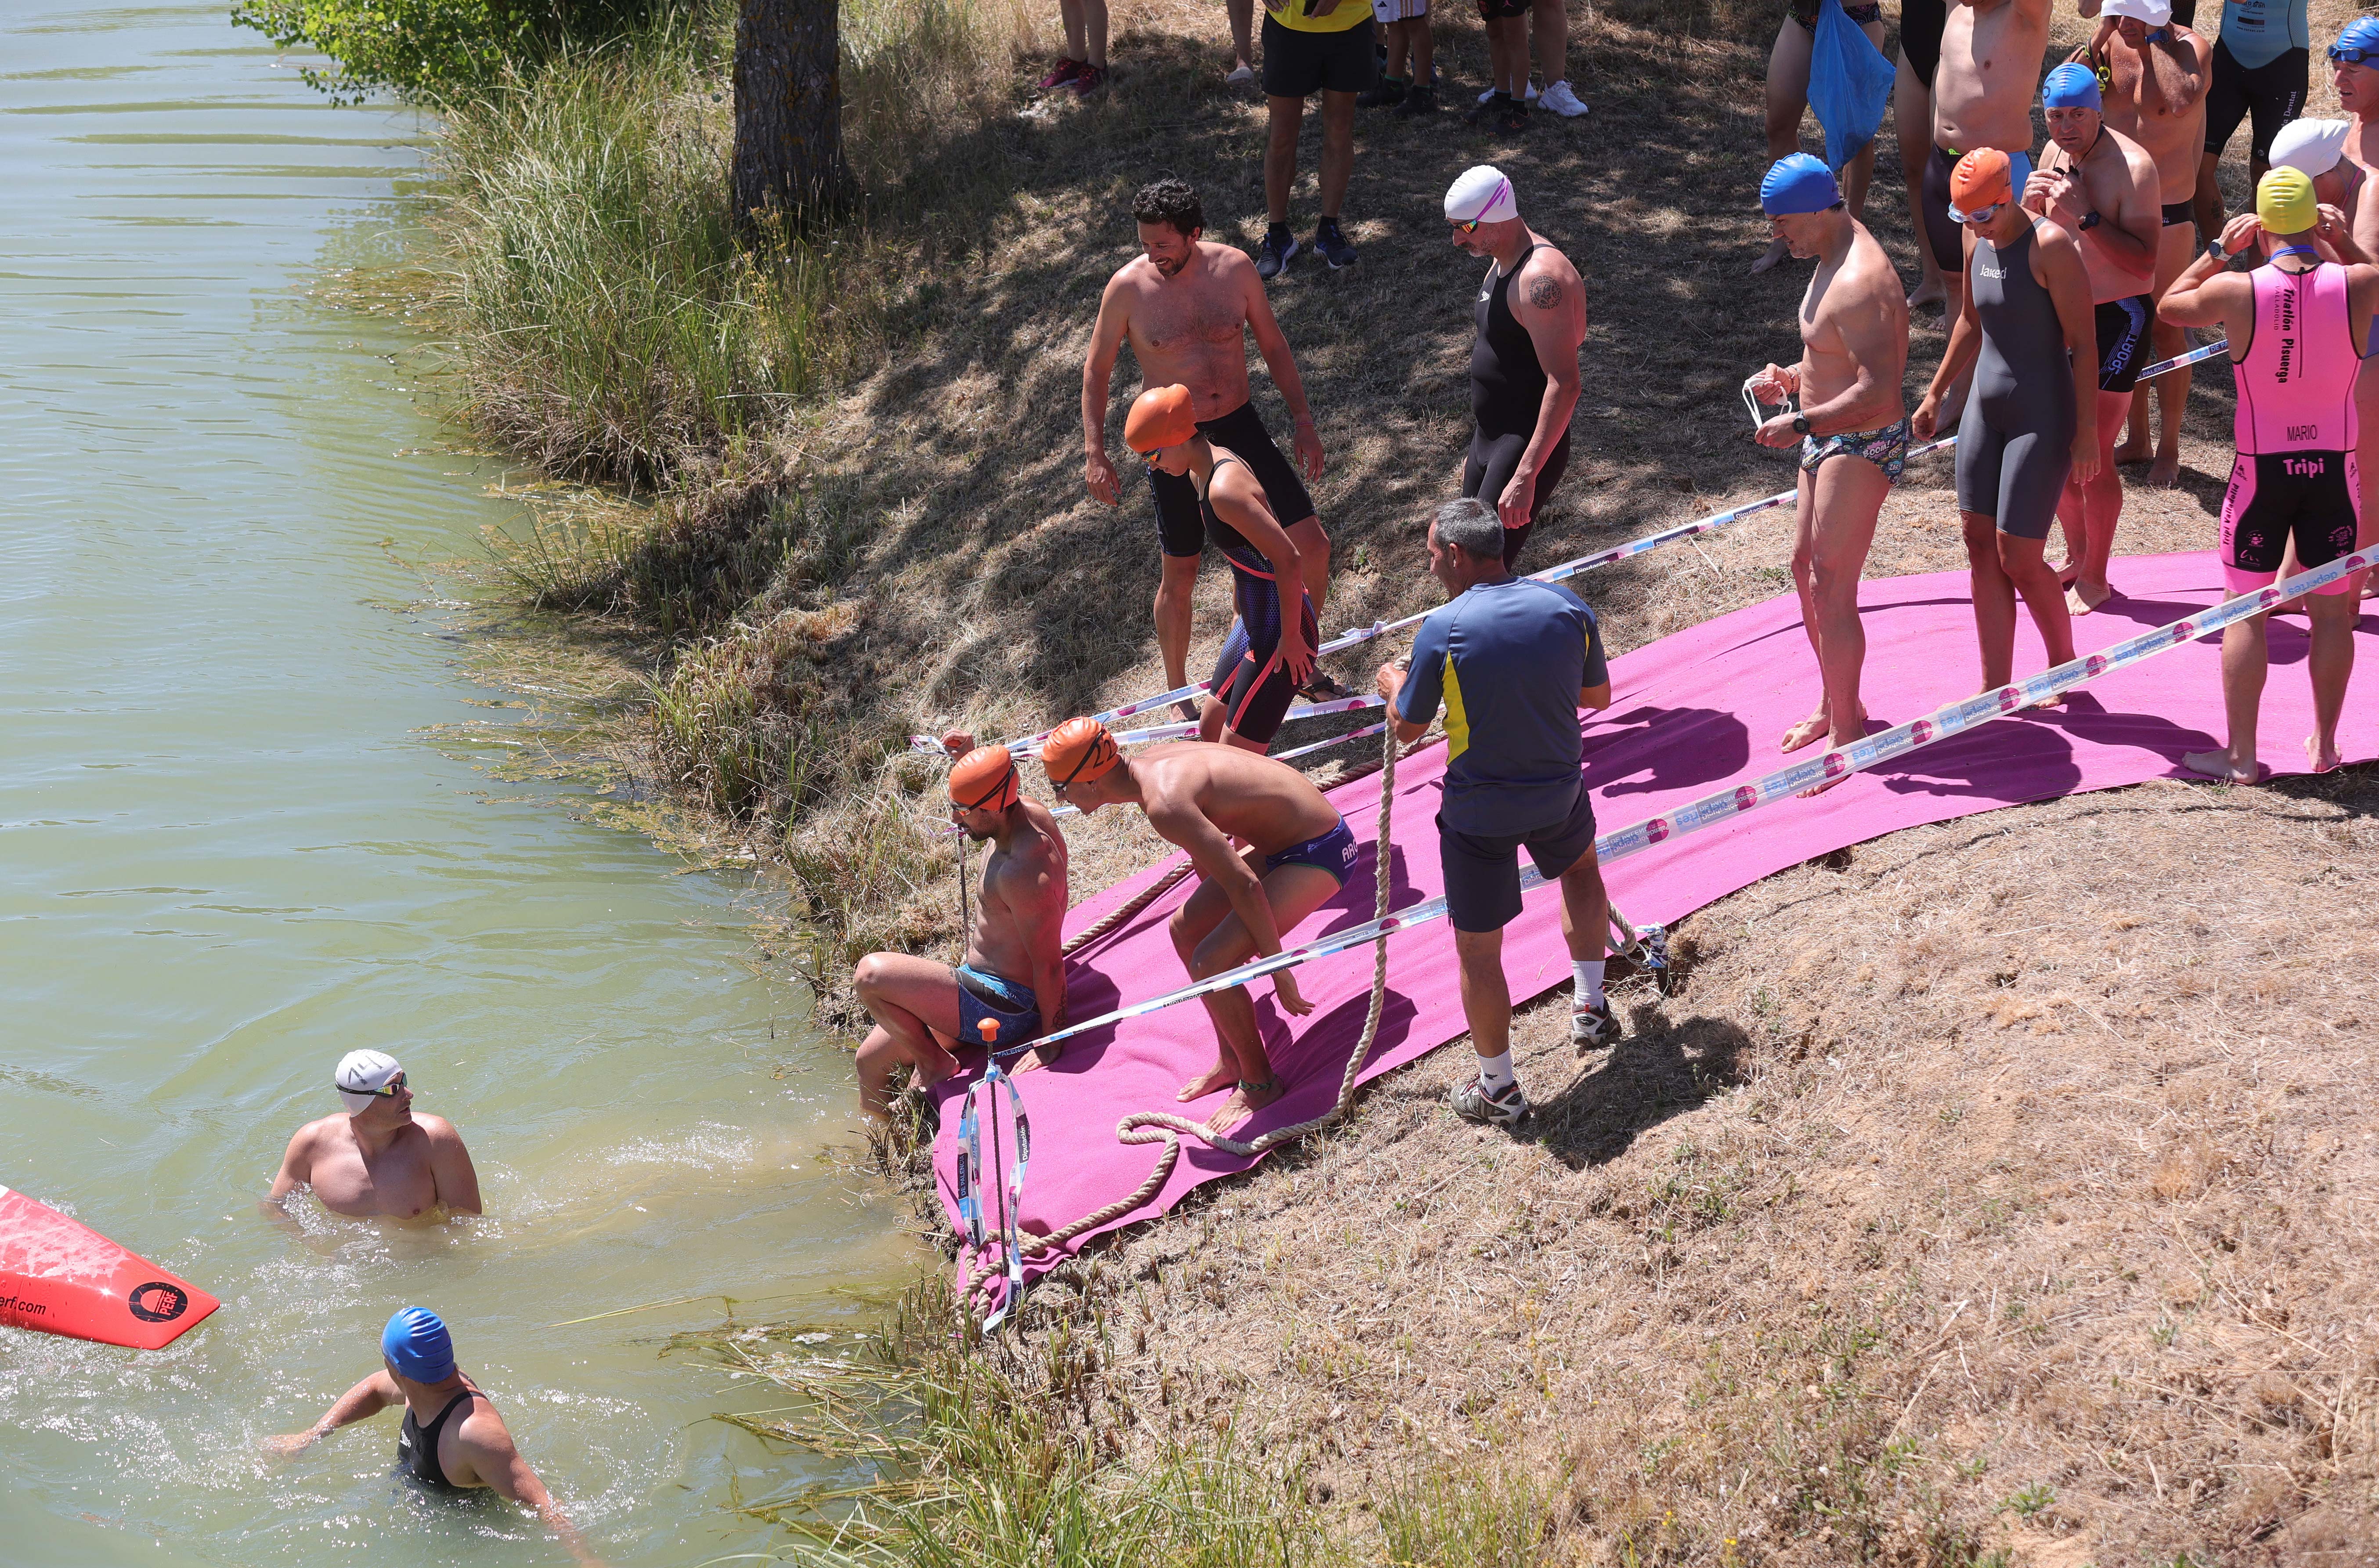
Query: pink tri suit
{"points": [[2295, 474]]}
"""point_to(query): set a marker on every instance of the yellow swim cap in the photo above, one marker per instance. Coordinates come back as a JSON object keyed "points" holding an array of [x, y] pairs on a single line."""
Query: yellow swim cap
{"points": [[2283, 200]]}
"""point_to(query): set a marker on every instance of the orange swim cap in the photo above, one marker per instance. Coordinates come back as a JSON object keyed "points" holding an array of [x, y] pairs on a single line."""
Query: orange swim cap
{"points": [[1160, 417], [1078, 751], [1982, 178], [984, 780]]}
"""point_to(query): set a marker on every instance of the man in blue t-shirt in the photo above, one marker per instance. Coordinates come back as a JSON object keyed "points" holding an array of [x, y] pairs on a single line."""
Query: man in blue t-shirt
{"points": [[1513, 660]]}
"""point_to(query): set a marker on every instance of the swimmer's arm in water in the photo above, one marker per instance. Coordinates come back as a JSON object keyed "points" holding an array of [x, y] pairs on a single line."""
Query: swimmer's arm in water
{"points": [[485, 1449], [297, 1169], [361, 1403], [2207, 292], [1098, 365], [2057, 263], [1965, 343], [1273, 343], [1550, 304], [449, 1165]]}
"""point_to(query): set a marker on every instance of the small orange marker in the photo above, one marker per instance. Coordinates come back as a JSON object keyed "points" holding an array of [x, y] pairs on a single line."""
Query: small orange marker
{"points": [[990, 1028]]}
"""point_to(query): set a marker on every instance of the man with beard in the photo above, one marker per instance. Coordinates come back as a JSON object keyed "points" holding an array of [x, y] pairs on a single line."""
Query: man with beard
{"points": [[1011, 990], [1187, 306]]}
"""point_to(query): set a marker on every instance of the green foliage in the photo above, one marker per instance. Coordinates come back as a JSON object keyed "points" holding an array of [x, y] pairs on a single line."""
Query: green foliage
{"points": [[433, 51]]}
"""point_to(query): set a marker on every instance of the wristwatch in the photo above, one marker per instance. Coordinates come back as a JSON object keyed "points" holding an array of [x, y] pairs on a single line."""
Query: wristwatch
{"points": [[2213, 249], [1800, 424], [2089, 221]]}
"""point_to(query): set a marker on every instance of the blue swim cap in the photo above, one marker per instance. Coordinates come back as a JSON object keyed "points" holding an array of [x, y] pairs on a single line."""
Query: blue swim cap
{"points": [[2071, 86], [1798, 183], [2362, 32], [417, 1345]]}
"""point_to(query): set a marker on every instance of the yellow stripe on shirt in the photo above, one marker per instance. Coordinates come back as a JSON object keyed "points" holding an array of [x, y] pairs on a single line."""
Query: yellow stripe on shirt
{"points": [[1457, 723]]}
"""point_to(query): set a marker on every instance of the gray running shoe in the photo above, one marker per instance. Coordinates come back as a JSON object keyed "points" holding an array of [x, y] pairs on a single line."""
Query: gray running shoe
{"points": [[1473, 1103], [1279, 245], [1333, 245], [1590, 1024]]}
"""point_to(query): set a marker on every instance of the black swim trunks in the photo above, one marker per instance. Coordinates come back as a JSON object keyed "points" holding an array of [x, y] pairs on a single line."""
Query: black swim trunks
{"points": [[2123, 341], [1921, 22], [1332, 852], [1944, 234], [1013, 1010], [2273, 93], [1180, 530], [1298, 63]]}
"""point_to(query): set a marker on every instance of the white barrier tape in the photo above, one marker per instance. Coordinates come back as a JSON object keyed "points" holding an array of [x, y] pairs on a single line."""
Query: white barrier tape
{"points": [[1725, 804], [1356, 636]]}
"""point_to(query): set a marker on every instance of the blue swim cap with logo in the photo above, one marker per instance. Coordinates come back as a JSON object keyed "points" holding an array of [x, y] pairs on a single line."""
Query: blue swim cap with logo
{"points": [[1798, 183], [2362, 32], [417, 1346], [2071, 86]]}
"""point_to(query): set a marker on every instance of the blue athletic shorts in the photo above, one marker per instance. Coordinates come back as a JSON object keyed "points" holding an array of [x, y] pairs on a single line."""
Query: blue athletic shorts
{"points": [[1482, 873], [1332, 852], [983, 994]]}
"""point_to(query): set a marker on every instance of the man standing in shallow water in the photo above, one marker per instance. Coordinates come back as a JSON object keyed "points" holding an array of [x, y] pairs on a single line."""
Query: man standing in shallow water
{"points": [[1187, 307], [379, 1158], [1853, 427]]}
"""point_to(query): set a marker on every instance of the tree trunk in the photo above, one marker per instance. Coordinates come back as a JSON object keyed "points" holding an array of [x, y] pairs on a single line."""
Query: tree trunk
{"points": [[788, 109]]}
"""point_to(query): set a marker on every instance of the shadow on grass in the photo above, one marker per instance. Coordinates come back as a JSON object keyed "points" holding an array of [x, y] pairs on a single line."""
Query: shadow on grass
{"points": [[1658, 1070]]}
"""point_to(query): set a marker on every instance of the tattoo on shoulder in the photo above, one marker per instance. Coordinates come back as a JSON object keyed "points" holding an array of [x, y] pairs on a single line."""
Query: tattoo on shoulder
{"points": [[1544, 293]]}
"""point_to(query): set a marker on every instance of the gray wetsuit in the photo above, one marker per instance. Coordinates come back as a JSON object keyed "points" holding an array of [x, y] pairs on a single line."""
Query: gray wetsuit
{"points": [[2015, 444]]}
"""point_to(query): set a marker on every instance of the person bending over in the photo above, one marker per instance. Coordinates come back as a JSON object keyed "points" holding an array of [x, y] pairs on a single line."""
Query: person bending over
{"points": [[1010, 988], [1852, 429], [1512, 660], [2024, 328], [378, 1158], [2100, 187], [1531, 318], [1199, 798], [452, 1441], [2297, 328], [1269, 652], [1188, 306]]}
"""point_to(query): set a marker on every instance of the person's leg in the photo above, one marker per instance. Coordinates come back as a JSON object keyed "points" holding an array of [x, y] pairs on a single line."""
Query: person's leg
{"points": [[1074, 16], [1243, 29], [1314, 560], [1994, 595], [1912, 116], [2026, 566], [2176, 249], [915, 1004], [1424, 50], [2331, 665], [1399, 50], [1849, 494], [2098, 507], [1337, 152], [1585, 910], [1194, 921], [1287, 116], [1805, 583], [2246, 657], [1176, 581], [1294, 892], [1094, 31], [1507, 54], [1550, 21], [1788, 95], [1860, 170], [2207, 202], [1486, 997]]}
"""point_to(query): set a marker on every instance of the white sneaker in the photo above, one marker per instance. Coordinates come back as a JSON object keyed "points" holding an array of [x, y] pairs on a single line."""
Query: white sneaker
{"points": [[1240, 74], [1561, 101]]}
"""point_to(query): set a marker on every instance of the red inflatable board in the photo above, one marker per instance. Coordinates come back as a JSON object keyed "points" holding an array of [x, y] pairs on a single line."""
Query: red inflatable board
{"points": [[65, 1278]]}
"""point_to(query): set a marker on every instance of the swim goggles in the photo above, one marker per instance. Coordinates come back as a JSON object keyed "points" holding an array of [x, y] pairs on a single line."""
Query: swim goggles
{"points": [[1760, 415], [2353, 54], [385, 1091], [1979, 215]]}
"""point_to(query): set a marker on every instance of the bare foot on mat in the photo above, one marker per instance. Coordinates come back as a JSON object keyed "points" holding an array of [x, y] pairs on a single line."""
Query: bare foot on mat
{"points": [[1807, 732], [2324, 759], [2218, 766], [2083, 597], [2165, 472], [1221, 1076]]}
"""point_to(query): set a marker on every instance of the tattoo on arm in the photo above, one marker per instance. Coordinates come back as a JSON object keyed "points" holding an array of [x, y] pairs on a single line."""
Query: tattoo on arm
{"points": [[1545, 292]]}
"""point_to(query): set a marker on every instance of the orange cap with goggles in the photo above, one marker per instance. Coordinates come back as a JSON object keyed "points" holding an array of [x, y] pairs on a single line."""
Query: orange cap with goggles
{"points": [[1078, 751], [1160, 417], [984, 780], [1983, 178]]}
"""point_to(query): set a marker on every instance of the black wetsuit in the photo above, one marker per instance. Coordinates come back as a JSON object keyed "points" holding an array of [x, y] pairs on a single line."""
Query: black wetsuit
{"points": [[1921, 22], [417, 1445], [1507, 392], [1251, 679]]}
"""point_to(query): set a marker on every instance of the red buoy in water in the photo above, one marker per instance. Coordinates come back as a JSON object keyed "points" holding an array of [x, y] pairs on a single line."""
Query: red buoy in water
{"points": [[65, 1278]]}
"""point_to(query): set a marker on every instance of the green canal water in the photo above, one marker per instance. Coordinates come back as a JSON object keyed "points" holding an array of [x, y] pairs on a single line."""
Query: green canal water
{"points": [[246, 827]]}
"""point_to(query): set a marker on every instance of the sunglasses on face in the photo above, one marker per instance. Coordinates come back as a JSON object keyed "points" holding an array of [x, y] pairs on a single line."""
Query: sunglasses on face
{"points": [[385, 1091], [2353, 54], [1470, 225]]}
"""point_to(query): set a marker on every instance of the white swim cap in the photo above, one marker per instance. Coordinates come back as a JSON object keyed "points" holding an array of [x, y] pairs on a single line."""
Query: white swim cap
{"points": [[1481, 196], [2311, 147], [2154, 13], [361, 1072]]}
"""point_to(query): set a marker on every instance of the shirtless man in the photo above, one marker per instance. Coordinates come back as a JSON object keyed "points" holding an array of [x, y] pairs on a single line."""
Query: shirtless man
{"points": [[2100, 187], [452, 1441], [1851, 428], [1202, 797], [1184, 305], [2154, 72], [2354, 71], [378, 1158], [1010, 988], [1530, 317], [1982, 97]]}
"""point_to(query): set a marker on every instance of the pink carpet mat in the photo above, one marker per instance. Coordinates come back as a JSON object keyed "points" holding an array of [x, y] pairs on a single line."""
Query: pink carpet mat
{"points": [[1689, 713]]}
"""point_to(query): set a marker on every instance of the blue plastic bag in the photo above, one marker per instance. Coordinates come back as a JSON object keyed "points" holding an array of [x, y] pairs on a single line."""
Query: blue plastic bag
{"points": [[1850, 82]]}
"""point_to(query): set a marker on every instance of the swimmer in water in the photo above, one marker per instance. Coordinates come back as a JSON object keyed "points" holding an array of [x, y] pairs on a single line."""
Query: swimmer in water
{"points": [[1010, 987], [452, 1441], [379, 1158], [1199, 798]]}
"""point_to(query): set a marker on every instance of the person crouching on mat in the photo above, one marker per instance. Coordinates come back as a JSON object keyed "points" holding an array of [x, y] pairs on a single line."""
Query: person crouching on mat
{"points": [[1269, 652], [1513, 660], [2032, 416], [452, 1441], [1011, 987], [1198, 798], [2297, 328], [1852, 429]]}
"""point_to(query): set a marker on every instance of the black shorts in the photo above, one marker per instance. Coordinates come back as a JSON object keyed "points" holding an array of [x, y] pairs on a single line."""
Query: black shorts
{"points": [[1943, 233], [1488, 468], [1502, 11], [1921, 22], [2273, 93], [2123, 341], [1179, 528], [1298, 63], [1482, 874], [1250, 680], [2312, 497]]}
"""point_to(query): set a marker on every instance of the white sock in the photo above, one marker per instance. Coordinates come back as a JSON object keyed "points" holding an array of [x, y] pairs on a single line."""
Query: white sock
{"points": [[1495, 1073], [1587, 973]]}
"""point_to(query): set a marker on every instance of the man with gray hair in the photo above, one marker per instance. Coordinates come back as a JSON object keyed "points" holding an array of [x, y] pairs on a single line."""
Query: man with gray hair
{"points": [[1512, 660], [379, 1158], [1532, 318]]}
